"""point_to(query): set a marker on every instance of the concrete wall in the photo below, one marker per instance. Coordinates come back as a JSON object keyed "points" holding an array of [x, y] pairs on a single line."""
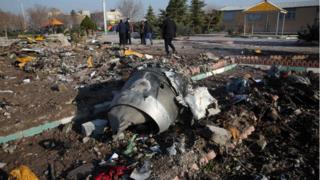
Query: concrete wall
{"points": [[267, 22]]}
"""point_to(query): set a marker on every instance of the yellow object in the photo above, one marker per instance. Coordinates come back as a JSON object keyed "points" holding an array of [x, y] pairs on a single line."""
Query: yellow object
{"points": [[257, 51], [39, 38], [24, 60], [90, 62], [131, 52], [264, 6], [235, 133], [31, 40], [22, 173]]}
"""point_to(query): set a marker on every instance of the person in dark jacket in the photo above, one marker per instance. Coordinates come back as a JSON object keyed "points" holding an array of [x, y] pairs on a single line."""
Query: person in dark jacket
{"points": [[142, 34], [169, 30], [129, 31], [148, 32], [122, 30]]}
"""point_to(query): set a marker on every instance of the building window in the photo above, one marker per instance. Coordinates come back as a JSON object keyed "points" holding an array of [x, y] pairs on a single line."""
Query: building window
{"points": [[229, 15], [254, 17], [291, 15]]}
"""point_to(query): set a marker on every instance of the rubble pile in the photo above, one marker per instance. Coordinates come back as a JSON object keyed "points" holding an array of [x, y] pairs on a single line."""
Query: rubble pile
{"points": [[157, 123]]}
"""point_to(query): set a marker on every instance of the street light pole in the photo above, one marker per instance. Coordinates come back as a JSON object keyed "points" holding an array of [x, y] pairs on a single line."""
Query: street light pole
{"points": [[104, 16], [23, 15]]}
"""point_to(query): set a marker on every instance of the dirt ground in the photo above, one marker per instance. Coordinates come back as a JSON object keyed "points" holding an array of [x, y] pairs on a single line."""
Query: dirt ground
{"points": [[292, 139]]}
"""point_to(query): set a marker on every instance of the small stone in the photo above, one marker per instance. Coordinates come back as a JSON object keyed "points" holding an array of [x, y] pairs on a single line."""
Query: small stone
{"points": [[220, 135], [97, 151], [121, 136], [85, 140], [26, 81], [9, 148], [2, 165], [59, 87], [211, 155], [262, 142], [67, 128], [195, 167], [238, 168], [297, 112], [7, 114]]}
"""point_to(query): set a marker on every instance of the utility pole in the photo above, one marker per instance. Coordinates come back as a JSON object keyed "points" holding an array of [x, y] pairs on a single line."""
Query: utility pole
{"points": [[104, 16], [23, 14]]}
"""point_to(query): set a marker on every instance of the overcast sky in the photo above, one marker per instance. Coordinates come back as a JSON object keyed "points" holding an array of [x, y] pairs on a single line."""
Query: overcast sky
{"points": [[96, 5]]}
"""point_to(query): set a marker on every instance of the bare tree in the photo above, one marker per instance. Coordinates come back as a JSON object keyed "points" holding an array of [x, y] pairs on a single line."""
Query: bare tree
{"points": [[54, 12], [10, 22], [4, 22], [132, 9], [38, 16]]}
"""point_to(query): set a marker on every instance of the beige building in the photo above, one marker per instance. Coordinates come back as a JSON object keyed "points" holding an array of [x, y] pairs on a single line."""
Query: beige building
{"points": [[114, 16], [298, 15]]}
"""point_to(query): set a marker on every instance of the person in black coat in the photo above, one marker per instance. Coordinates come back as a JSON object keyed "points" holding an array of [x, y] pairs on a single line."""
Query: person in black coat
{"points": [[122, 30], [142, 34], [148, 32], [129, 31], [169, 30]]}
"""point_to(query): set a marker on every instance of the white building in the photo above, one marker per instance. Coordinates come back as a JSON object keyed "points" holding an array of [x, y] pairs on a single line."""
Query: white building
{"points": [[114, 16], [84, 13]]}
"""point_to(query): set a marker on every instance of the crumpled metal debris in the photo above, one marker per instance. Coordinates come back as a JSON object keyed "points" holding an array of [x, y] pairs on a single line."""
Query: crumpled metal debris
{"points": [[157, 95], [149, 95]]}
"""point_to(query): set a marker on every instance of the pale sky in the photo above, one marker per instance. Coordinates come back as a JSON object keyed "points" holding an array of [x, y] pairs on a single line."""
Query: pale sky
{"points": [[96, 5]]}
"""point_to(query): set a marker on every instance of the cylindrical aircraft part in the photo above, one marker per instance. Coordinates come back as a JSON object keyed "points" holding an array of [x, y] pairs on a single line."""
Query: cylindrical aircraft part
{"points": [[147, 95]]}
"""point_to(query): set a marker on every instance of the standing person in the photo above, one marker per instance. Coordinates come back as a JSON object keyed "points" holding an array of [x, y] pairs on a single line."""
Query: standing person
{"points": [[142, 34], [148, 32], [129, 31], [122, 29], [169, 30]]}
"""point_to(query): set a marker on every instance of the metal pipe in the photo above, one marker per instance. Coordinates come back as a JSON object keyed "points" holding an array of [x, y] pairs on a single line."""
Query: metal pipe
{"points": [[244, 25], [284, 17], [252, 28], [23, 15]]}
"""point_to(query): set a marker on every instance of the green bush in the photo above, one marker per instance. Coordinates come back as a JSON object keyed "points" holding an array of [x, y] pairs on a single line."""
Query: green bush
{"points": [[183, 30]]}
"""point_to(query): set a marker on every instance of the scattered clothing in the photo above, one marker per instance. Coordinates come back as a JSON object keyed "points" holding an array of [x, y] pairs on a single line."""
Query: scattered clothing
{"points": [[113, 173]]}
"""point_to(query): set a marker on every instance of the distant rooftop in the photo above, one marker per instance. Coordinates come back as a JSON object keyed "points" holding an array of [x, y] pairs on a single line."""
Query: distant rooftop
{"points": [[280, 4]]}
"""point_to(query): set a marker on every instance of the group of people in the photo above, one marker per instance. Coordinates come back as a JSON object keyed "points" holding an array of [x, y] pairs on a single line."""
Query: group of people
{"points": [[126, 28], [168, 28]]}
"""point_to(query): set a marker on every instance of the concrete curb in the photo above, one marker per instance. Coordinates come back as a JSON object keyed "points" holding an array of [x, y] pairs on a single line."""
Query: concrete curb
{"points": [[98, 108], [35, 130]]}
